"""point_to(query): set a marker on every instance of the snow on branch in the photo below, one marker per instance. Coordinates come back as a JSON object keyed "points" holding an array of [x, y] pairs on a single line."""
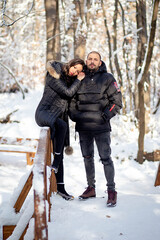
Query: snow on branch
{"points": [[4, 23], [49, 39], [10, 72], [7, 118]]}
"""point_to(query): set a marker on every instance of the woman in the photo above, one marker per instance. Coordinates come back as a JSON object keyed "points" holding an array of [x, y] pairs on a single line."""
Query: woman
{"points": [[62, 82]]}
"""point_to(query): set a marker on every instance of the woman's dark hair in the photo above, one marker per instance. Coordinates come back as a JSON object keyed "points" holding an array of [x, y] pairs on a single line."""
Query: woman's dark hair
{"points": [[72, 63]]}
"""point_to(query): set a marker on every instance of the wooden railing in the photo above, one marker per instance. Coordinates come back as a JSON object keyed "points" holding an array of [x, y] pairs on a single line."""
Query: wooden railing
{"points": [[157, 181], [19, 145], [37, 179]]}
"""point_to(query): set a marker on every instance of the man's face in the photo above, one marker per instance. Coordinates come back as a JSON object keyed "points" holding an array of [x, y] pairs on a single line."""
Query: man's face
{"points": [[93, 61]]}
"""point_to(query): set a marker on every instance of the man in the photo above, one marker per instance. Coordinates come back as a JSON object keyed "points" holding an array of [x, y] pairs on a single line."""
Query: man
{"points": [[97, 100]]}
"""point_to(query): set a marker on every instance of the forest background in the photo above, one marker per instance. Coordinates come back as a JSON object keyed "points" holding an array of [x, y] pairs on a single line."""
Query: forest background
{"points": [[125, 32]]}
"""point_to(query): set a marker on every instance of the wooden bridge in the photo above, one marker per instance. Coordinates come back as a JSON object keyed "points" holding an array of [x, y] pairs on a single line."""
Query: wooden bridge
{"points": [[38, 179]]}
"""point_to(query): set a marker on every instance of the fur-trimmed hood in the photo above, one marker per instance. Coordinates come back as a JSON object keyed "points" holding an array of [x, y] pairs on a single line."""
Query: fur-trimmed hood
{"points": [[54, 68]]}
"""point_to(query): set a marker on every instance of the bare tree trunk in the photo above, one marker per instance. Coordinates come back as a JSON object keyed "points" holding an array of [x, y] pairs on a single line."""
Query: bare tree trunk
{"points": [[141, 80], [115, 55], [36, 35], [115, 43], [56, 35], [79, 40], [50, 7], [141, 122], [141, 44], [125, 56], [80, 19], [108, 35], [67, 31], [147, 101]]}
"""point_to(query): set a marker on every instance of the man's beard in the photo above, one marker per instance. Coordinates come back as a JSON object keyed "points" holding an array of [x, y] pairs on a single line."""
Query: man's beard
{"points": [[93, 69]]}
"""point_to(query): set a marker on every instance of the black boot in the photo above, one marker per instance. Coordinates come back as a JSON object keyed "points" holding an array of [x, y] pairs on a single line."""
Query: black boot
{"points": [[62, 192], [56, 162]]}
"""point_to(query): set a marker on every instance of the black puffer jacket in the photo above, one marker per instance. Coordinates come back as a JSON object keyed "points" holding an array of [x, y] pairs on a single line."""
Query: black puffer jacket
{"points": [[97, 100], [56, 95]]}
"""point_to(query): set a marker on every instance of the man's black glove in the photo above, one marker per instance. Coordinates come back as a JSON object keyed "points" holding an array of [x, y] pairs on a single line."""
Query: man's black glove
{"points": [[107, 114]]}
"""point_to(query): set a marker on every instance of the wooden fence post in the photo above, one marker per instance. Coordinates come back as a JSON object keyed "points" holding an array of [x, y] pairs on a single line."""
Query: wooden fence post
{"points": [[40, 185]]}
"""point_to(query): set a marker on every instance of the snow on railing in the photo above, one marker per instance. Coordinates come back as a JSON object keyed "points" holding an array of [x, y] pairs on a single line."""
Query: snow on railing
{"points": [[42, 159], [42, 187]]}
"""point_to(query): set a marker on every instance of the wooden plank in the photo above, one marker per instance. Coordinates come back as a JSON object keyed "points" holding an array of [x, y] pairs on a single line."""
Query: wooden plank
{"points": [[152, 156], [49, 150], [24, 193], [20, 229], [29, 154], [41, 228], [40, 195], [157, 181], [52, 189], [15, 148], [19, 141], [7, 231], [20, 145]]}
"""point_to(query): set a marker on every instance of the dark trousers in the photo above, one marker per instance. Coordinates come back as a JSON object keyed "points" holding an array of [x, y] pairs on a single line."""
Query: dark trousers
{"points": [[103, 145], [58, 134]]}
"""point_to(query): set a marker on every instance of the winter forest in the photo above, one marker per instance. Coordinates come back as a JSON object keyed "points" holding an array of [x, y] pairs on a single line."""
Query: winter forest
{"points": [[127, 35]]}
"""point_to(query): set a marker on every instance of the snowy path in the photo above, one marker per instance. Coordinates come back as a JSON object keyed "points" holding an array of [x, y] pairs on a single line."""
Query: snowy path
{"points": [[137, 214]]}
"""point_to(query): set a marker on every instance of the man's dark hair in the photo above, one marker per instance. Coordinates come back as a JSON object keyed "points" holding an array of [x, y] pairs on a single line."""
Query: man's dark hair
{"points": [[96, 53]]}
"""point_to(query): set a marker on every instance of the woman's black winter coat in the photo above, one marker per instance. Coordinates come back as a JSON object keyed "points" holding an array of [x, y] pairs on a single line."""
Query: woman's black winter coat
{"points": [[56, 94], [97, 100]]}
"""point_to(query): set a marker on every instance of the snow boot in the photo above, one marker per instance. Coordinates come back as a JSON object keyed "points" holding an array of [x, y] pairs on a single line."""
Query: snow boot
{"points": [[112, 198], [62, 192], [88, 193]]}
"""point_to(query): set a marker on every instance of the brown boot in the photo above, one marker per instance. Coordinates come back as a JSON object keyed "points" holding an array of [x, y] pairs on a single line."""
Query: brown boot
{"points": [[112, 198], [88, 193]]}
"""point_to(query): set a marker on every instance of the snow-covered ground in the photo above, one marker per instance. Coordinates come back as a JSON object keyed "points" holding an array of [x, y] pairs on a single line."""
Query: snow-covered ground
{"points": [[137, 214]]}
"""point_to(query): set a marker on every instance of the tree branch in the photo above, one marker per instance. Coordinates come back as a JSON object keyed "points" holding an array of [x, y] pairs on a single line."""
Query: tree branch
{"points": [[7, 119], [10, 72], [4, 3]]}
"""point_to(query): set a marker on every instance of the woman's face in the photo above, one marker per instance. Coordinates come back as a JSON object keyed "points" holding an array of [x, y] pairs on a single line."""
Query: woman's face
{"points": [[75, 70]]}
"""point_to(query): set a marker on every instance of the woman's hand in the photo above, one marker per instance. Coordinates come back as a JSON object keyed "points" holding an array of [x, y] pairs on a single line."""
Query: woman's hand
{"points": [[80, 76]]}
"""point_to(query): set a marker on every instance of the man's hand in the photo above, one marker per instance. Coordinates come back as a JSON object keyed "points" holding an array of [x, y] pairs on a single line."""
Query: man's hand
{"points": [[80, 76]]}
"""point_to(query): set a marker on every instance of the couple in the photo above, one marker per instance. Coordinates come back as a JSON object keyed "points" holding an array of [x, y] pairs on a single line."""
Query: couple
{"points": [[91, 98]]}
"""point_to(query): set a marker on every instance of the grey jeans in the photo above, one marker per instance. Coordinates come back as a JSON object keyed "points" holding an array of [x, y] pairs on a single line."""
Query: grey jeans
{"points": [[103, 145]]}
